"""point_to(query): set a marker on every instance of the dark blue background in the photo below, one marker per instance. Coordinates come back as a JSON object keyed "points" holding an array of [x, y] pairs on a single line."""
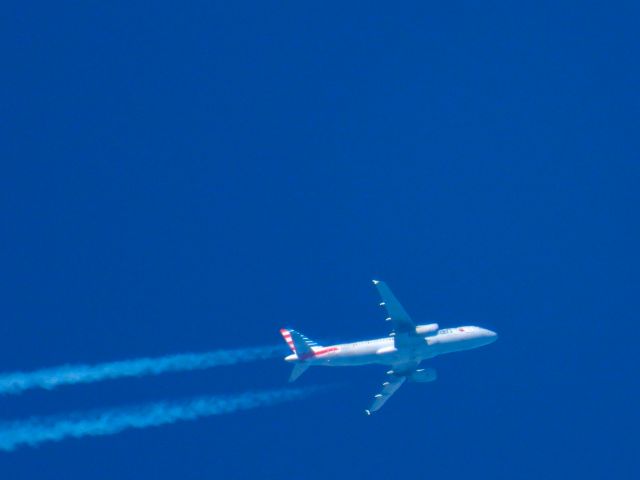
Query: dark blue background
{"points": [[186, 177]]}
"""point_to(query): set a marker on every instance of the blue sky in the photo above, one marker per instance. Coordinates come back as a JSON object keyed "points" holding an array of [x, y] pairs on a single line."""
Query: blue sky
{"points": [[192, 177]]}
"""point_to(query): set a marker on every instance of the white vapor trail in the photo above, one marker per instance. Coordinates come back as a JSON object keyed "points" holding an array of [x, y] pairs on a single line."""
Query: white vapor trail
{"points": [[37, 430], [50, 378]]}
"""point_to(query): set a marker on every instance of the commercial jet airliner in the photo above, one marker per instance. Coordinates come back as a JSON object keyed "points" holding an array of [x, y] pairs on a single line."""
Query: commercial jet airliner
{"points": [[403, 350]]}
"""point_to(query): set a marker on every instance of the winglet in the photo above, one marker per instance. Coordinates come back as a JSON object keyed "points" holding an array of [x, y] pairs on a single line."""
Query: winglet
{"points": [[368, 412], [375, 282]]}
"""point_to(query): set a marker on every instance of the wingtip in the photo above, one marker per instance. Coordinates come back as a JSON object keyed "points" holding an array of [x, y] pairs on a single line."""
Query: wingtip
{"points": [[375, 282], [367, 413]]}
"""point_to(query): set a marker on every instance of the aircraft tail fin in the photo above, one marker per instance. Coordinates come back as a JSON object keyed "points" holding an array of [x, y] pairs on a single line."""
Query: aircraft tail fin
{"points": [[298, 343], [302, 347], [298, 369]]}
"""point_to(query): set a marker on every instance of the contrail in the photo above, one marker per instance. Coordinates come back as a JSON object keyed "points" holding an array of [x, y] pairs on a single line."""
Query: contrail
{"points": [[38, 430], [50, 378]]}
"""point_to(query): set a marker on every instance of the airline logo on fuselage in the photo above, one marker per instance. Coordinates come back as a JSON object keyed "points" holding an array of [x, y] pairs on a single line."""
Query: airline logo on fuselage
{"points": [[319, 353]]}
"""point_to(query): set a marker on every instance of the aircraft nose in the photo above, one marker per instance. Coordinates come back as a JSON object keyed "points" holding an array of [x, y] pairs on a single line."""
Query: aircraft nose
{"points": [[491, 334]]}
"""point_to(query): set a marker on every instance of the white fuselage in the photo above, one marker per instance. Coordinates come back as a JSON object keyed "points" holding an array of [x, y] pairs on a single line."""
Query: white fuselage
{"points": [[383, 351]]}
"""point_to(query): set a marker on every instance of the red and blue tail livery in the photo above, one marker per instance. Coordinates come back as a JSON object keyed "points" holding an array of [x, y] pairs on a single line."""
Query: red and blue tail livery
{"points": [[298, 343]]}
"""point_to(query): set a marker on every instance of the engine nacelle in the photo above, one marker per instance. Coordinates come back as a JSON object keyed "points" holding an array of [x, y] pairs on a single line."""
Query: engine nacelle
{"points": [[424, 375], [426, 329]]}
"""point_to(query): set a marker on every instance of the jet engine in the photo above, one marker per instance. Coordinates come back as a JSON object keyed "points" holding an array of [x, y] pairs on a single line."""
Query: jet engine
{"points": [[426, 329], [424, 375]]}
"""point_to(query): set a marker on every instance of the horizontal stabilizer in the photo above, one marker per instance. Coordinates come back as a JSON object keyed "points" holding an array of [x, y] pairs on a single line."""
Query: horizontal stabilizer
{"points": [[298, 369]]}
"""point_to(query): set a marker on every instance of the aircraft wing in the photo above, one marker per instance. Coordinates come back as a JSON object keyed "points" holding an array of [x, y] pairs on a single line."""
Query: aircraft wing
{"points": [[404, 330], [388, 389], [397, 377], [397, 315]]}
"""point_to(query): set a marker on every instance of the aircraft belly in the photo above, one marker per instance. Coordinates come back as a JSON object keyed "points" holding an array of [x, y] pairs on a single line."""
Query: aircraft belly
{"points": [[350, 361], [347, 360], [384, 354]]}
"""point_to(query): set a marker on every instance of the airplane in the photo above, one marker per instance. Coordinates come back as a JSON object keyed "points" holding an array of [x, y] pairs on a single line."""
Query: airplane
{"points": [[406, 346]]}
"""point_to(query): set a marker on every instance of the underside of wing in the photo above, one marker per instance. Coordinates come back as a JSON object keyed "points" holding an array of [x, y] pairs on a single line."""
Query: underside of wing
{"points": [[396, 378], [388, 388], [404, 330], [397, 314]]}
